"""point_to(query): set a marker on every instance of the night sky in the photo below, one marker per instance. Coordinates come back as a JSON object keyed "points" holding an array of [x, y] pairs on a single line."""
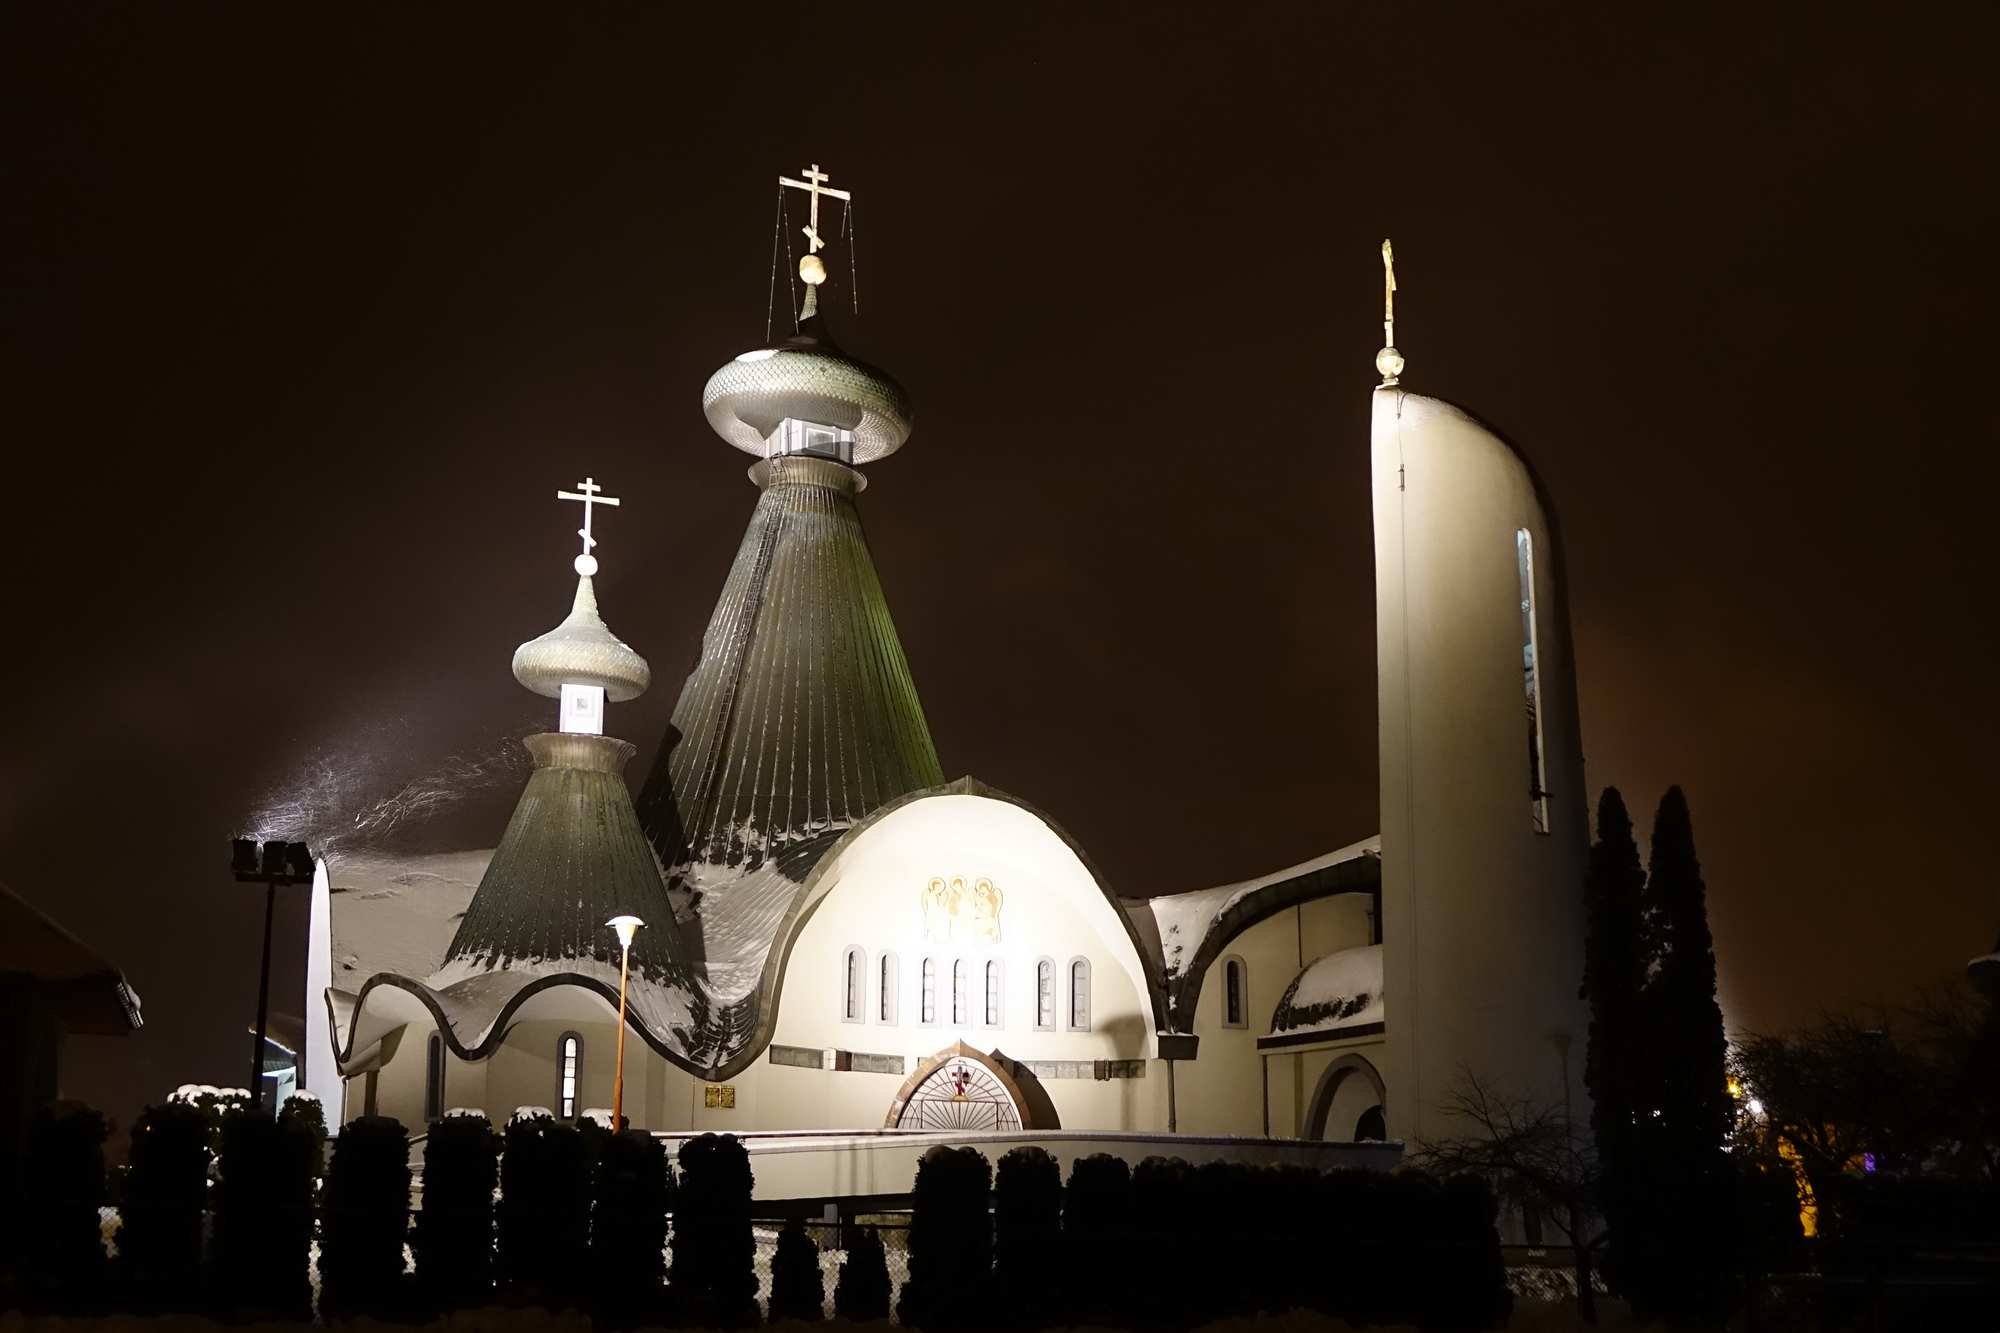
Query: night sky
{"points": [[309, 318]]}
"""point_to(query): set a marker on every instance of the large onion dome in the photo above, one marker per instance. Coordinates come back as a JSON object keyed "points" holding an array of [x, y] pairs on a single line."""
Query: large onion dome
{"points": [[582, 651], [807, 379]]}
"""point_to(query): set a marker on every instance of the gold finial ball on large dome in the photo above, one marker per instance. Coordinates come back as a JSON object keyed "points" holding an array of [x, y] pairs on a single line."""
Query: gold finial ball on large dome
{"points": [[1390, 362], [582, 651]]}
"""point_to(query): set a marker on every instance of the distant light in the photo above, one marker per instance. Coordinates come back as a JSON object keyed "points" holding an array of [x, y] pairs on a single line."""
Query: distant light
{"points": [[1868, 1161], [1756, 1107]]}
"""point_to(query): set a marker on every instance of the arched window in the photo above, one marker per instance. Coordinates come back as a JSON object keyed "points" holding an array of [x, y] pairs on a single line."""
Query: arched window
{"points": [[569, 1075], [1079, 995], [1045, 995], [854, 986], [961, 999], [885, 992], [434, 1077], [927, 1005], [996, 1007], [1235, 993]]}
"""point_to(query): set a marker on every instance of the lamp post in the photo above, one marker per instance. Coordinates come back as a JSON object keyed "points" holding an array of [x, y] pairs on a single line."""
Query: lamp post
{"points": [[280, 863], [627, 927]]}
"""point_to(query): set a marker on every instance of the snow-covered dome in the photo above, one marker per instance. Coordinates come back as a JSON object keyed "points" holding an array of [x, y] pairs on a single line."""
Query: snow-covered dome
{"points": [[582, 651], [1338, 990]]}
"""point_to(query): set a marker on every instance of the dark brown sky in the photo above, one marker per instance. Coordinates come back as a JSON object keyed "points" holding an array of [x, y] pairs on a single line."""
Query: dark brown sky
{"points": [[307, 322]]}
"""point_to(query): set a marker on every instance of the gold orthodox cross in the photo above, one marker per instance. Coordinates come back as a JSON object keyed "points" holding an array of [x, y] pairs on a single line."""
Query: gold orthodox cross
{"points": [[590, 497], [814, 184], [1388, 295]]}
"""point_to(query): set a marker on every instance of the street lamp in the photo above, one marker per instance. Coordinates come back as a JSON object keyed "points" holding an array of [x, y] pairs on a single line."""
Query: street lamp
{"points": [[627, 927], [280, 863]]}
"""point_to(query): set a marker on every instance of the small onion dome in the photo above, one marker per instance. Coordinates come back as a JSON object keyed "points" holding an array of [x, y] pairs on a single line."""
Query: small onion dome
{"points": [[809, 379], [582, 651]]}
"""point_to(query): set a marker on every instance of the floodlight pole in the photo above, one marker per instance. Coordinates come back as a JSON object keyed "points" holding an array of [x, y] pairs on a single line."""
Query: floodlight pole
{"points": [[263, 1001]]}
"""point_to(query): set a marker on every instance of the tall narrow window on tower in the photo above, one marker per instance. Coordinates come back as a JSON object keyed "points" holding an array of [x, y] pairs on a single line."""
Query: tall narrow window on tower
{"points": [[1538, 794], [569, 1074]]}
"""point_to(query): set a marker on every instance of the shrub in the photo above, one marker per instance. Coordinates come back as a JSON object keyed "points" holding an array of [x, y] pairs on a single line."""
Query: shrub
{"points": [[161, 1204], [864, 1289], [798, 1288], [1027, 1236], [365, 1218], [1466, 1286], [62, 1187], [951, 1241], [453, 1238], [715, 1252], [544, 1214], [628, 1226], [263, 1217]]}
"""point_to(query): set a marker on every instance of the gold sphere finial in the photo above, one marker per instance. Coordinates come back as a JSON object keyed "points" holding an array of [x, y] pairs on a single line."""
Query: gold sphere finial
{"points": [[812, 270], [1390, 362]]}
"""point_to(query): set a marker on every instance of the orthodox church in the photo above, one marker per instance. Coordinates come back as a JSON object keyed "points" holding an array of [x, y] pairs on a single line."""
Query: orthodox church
{"points": [[838, 937]]}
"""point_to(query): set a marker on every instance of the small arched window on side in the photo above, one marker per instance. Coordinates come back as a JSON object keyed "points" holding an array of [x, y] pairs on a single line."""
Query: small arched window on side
{"points": [[1045, 995], [569, 1074], [927, 1003], [1235, 993], [996, 996], [886, 987], [1079, 995], [854, 986], [961, 997], [434, 1077]]}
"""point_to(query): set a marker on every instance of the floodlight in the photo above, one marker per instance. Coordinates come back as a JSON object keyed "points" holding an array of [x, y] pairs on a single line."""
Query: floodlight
{"points": [[274, 859], [243, 856]]}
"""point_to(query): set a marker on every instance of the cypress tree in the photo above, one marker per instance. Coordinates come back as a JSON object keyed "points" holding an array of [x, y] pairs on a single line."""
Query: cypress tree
{"points": [[1027, 1233], [715, 1251], [951, 1241], [1617, 957], [164, 1197], [543, 1236], [454, 1232], [628, 1226], [365, 1217], [864, 1289], [263, 1216], [798, 1288]]}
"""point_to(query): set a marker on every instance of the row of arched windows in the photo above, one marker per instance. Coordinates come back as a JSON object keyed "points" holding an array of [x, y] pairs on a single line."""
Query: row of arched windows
{"points": [[962, 992]]}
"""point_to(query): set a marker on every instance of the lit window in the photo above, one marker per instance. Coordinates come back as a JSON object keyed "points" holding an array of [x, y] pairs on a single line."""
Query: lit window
{"points": [[1045, 995], [434, 1077], [928, 1003], [854, 986], [994, 1008], [1235, 993], [1079, 995], [1538, 793], [569, 1069], [960, 1001], [885, 1005]]}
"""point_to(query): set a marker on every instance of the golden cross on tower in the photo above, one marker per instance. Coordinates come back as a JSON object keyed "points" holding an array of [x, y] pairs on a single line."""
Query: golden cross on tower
{"points": [[1389, 361], [814, 184], [586, 564]]}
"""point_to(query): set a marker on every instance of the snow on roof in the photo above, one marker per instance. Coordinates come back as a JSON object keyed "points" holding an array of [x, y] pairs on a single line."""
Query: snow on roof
{"points": [[1338, 990], [1185, 918], [398, 913]]}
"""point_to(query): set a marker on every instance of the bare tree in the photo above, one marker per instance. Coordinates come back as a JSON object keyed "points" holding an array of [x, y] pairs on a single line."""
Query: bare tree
{"points": [[1532, 1153]]}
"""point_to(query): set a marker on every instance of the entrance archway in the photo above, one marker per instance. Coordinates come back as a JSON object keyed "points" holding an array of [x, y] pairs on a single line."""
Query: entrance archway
{"points": [[959, 1088], [1331, 1082]]}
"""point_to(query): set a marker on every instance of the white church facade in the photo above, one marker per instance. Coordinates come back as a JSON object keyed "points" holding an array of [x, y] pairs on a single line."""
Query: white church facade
{"points": [[839, 939]]}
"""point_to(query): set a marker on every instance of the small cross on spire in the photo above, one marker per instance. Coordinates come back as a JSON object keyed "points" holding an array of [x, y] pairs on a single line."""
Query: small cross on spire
{"points": [[1389, 361], [586, 564], [814, 184]]}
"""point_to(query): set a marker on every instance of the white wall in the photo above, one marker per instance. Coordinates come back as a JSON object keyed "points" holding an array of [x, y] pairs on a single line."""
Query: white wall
{"points": [[1483, 915]]}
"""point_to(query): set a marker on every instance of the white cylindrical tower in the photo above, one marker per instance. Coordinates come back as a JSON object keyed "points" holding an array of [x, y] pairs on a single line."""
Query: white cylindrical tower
{"points": [[1484, 832]]}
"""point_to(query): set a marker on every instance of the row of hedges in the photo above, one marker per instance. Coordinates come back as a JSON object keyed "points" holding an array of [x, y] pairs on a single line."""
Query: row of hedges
{"points": [[220, 1207]]}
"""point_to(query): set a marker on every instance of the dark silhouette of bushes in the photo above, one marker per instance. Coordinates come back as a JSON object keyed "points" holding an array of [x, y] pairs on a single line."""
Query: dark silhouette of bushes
{"points": [[864, 1289], [365, 1215], [798, 1288], [1464, 1283], [951, 1242], [628, 1227], [1097, 1236], [715, 1251], [453, 1238], [263, 1199], [61, 1265], [544, 1213], [162, 1201], [1027, 1237]]}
